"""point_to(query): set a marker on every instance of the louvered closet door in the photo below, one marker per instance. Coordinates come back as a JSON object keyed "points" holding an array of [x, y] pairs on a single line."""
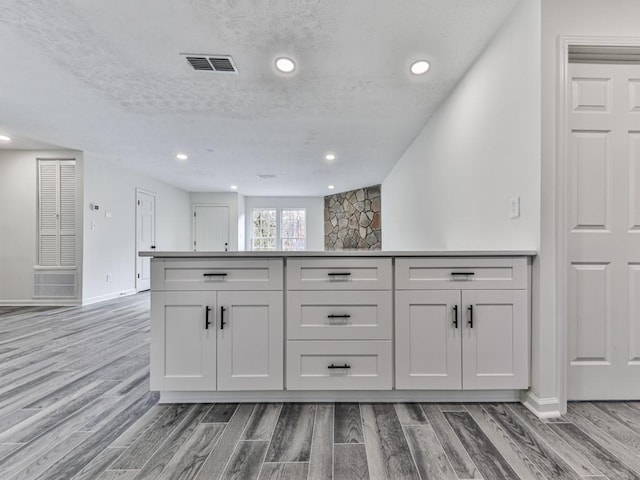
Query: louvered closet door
{"points": [[57, 213]]}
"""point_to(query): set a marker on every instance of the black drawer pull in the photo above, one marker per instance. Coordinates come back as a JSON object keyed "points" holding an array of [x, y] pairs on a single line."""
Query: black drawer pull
{"points": [[332, 366], [470, 321], [346, 315], [339, 274], [214, 274], [453, 274]]}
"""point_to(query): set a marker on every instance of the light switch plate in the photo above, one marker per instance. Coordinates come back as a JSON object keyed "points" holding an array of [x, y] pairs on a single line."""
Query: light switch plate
{"points": [[514, 207]]}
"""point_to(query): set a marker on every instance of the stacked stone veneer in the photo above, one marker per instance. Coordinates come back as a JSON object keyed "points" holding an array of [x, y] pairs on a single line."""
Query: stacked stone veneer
{"points": [[352, 220]]}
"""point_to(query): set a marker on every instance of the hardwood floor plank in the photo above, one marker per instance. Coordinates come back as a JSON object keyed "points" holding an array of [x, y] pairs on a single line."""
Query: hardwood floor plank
{"points": [[284, 471], [430, 458], [291, 441], [217, 460], [485, 455], [220, 413], [387, 450], [452, 407], [350, 462], [172, 443], [8, 448], [577, 462], [456, 453], [187, 461], [135, 456], [511, 448], [132, 434], [410, 414], [97, 465], [598, 454], [622, 413], [246, 461], [348, 424], [118, 475], [615, 429], [262, 422], [321, 458]]}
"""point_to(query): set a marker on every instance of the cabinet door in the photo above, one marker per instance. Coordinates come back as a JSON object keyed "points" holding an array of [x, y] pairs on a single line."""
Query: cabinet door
{"points": [[427, 340], [183, 347], [495, 339], [250, 342]]}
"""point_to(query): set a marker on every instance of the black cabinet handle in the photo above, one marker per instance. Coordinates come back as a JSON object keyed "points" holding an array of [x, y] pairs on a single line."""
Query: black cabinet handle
{"points": [[222, 309], [214, 274], [453, 274], [339, 274], [206, 318], [470, 322], [455, 316], [153, 247], [332, 366], [346, 315]]}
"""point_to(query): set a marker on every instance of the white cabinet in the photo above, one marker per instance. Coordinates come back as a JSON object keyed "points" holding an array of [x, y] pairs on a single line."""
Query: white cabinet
{"points": [[207, 340], [465, 338], [339, 324]]}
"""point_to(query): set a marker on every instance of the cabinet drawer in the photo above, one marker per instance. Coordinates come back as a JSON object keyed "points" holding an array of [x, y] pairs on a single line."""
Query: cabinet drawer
{"points": [[346, 365], [216, 274], [339, 274], [461, 273], [339, 315]]}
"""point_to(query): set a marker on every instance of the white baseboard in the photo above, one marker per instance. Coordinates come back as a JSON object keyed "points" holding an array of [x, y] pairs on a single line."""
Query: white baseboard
{"points": [[541, 407], [378, 396], [40, 302], [108, 296]]}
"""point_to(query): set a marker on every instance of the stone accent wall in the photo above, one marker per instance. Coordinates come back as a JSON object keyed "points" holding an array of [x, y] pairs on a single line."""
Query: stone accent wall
{"points": [[352, 220]]}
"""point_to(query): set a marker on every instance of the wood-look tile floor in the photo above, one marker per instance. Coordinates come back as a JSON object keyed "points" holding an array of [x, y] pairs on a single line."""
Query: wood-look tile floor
{"points": [[75, 404]]}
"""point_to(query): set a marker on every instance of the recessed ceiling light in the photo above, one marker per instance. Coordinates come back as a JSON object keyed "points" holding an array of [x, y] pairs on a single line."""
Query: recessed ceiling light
{"points": [[181, 156], [234, 187], [420, 67], [4, 138], [285, 65], [330, 156], [331, 187]]}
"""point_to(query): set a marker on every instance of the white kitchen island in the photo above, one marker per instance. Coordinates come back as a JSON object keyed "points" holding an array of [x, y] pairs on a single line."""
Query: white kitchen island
{"points": [[340, 326]]}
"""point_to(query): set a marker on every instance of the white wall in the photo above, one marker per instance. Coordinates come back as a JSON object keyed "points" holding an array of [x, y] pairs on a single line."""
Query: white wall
{"points": [[451, 188], [110, 248], [242, 229], [315, 216], [562, 17], [18, 220]]}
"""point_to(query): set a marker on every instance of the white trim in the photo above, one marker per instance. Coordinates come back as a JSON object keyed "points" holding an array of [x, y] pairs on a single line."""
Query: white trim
{"points": [[108, 296], [564, 41], [543, 408], [151, 194], [344, 396]]}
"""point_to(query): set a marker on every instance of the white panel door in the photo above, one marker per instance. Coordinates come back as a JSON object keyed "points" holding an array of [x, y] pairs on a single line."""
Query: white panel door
{"points": [[211, 228], [428, 331], [603, 232], [145, 237], [250, 340], [183, 345], [495, 340]]}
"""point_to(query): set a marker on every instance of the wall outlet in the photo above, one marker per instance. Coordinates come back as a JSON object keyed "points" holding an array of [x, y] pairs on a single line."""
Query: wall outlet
{"points": [[109, 277], [514, 207]]}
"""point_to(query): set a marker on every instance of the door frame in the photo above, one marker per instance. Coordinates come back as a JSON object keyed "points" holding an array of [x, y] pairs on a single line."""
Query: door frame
{"points": [[193, 220], [146, 192], [562, 192]]}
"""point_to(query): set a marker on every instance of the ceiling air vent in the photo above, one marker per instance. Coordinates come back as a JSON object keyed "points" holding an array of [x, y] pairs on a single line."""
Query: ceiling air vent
{"points": [[212, 63]]}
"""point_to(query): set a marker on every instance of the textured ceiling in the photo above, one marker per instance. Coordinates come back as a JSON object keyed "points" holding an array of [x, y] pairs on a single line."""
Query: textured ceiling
{"points": [[107, 78]]}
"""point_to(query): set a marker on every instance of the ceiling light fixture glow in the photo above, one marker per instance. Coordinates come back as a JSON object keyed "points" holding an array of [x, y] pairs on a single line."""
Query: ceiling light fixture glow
{"points": [[181, 156], [420, 67], [4, 138], [234, 187], [331, 187], [330, 156], [285, 65]]}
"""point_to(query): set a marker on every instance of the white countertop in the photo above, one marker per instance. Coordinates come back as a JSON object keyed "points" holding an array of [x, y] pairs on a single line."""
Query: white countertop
{"points": [[343, 253]]}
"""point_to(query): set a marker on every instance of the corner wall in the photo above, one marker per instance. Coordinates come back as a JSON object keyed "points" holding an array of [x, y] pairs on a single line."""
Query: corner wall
{"points": [[451, 188], [110, 248]]}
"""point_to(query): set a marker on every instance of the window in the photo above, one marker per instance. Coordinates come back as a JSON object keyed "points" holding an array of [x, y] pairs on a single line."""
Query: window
{"points": [[278, 229], [56, 213]]}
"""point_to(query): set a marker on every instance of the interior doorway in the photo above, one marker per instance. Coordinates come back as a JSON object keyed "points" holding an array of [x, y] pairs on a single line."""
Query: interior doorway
{"points": [[145, 236], [211, 228], [601, 222]]}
